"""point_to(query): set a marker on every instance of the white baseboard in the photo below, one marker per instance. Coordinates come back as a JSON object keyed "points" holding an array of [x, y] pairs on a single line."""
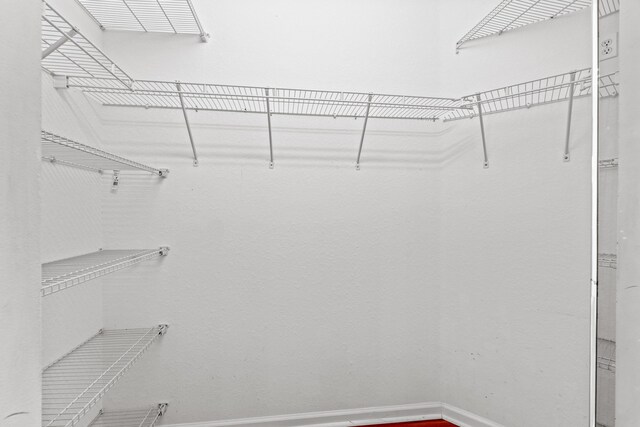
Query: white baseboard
{"points": [[463, 418], [358, 417]]}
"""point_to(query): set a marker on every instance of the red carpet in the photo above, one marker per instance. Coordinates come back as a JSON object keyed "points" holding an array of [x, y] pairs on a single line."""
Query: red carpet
{"points": [[435, 423]]}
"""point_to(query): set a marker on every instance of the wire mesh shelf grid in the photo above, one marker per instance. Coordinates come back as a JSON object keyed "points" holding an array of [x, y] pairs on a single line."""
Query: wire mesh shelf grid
{"points": [[73, 384]]}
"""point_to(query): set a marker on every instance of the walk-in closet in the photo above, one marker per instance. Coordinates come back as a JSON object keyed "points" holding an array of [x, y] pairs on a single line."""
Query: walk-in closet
{"points": [[296, 213]]}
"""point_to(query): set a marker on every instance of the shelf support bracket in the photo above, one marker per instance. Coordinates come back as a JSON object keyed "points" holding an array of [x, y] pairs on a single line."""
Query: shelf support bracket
{"points": [[186, 120], [364, 129], [484, 140], [266, 92], [566, 157], [62, 40]]}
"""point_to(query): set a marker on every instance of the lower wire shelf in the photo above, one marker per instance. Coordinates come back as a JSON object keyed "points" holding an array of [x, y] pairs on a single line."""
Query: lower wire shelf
{"points": [[65, 273], [135, 418], [73, 384]]}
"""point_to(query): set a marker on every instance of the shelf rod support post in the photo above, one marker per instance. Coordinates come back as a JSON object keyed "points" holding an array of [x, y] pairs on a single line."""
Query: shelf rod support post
{"points": [[364, 129], [566, 157], [484, 140], [266, 91], [186, 120], [62, 40]]}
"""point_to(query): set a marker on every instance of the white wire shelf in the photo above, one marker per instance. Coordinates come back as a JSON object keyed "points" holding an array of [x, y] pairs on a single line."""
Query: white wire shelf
{"points": [[536, 92], [512, 14], [147, 417], [608, 163], [608, 260], [73, 384], [607, 7], [60, 275], [160, 16], [606, 355], [252, 99], [58, 149], [65, 51]]}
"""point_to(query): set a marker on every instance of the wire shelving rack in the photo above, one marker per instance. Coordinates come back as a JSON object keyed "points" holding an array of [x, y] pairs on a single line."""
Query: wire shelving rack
{"points": [[73, 384], [560, 87], [253, 99], [608, 260], [606, 355], [58, 149], [65, 51], [147, 417], [512, 14], [63, 274], [161, 16]]}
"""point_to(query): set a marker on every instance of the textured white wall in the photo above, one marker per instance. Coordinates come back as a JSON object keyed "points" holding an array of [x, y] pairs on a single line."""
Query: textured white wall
{"points": [[316, 287], [20, 214], [627, 332]]}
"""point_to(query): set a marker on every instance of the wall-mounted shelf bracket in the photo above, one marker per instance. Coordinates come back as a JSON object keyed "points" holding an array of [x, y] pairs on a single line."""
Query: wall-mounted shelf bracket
{"points": [[116, 180], [266, 93], [162, 328], [186, 121], [60, 82], [162, 408], [484, 141], [566, 157], [364, 129], [164, 250], [608, 163]]}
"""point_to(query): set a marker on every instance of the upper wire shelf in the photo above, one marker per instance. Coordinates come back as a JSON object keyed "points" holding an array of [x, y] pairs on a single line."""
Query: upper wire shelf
{"points": [[62, 150], [606, 355], [73, 384], [147, 417], [536, 92], [162, 16], [252, 99], [608, 260], [65, 273], [512, 14], [65, 51]]}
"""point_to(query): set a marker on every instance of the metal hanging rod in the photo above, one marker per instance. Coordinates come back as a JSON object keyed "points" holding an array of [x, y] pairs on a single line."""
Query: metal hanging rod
{"points": [[160, 16], [608, 163], [73, 384], [608, 260], [606, 354], [65, 51], [512, 14], [147, 417], [62, 274], [62, 150]]}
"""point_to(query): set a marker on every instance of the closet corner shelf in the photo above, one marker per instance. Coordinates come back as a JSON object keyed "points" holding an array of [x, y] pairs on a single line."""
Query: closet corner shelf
{"points": [[58, 149], [535, 92], [73, 384], [512, 14], [159, 16], [606, 355], [146, 417], [66, 51], [608, 260], [60, 275]]}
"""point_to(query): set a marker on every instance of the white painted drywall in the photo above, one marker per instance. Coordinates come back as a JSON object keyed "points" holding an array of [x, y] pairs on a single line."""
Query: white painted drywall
{"points": [[315, 287], [20, 214], [627, 314]]}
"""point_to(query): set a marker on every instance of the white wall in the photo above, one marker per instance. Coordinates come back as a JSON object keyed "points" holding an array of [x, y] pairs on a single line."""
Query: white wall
{"points": [[315, 287], [627, 332], [20, 214]]}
